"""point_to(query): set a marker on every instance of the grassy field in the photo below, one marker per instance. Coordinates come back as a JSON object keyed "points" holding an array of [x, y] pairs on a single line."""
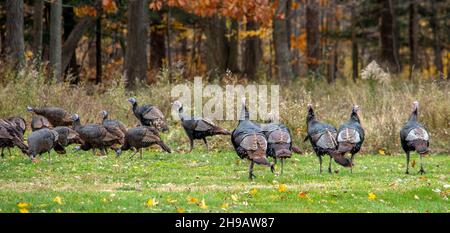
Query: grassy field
{"points": [[217, 182]]}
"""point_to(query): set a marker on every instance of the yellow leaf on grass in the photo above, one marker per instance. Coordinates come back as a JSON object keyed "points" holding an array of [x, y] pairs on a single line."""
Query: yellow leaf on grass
{"points": [[151, 202], [282, 188], [203, 204], [381, 152], [224, 206], [180, 210], [24, 210], [22, 205], [234, 197], [253, 191], [57, 200], [372, 196], [192, 200]]}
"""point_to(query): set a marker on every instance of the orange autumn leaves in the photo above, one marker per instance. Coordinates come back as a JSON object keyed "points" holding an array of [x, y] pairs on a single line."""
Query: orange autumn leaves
{"points": [[108, 6], [257, 10]]}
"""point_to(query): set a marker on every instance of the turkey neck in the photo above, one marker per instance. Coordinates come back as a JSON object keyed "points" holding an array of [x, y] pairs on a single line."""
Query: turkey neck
{"points": [[413, 116], [135, 106], [245, 113], [76, 124], [354, 117]]}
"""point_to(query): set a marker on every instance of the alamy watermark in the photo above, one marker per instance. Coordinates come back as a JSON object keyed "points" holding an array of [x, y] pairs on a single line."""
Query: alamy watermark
{"points": [[224, 103]]}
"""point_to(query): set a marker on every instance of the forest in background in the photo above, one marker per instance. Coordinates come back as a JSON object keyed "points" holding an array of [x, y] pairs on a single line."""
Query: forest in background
{"points": [[89, 56], [106, 41]]}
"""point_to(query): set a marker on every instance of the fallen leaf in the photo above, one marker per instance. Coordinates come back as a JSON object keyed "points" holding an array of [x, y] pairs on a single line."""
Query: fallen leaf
{"points": [[282, 188], [224, 206], [234, 197], [413, 164], [381, 152], [57, 200], [22, 205], [151, 202], [253, 191], [24, 210], [302, 195], [372, 196], [180, 210], [416, 197], [192, 200]]}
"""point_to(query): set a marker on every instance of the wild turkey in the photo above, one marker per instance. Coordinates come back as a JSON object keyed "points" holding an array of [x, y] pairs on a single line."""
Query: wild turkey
{"points": [[67, 136], [149, 115], [249, 142], [142, 137], [40, 122], [414, 137], [19, 123], [351, 135], [10, 137], [43, 141], [197, 127], [115, 123], [279, 141], [56, 116], [98, 136], [323, 140]]}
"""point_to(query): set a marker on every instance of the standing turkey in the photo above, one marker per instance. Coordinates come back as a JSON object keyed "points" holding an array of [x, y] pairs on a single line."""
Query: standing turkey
{"points": [[323, 140], [67, 136], [56, 116], [10, 136], [142, 137], [115, 123], [149, 115], [197, 127], [249, 142], [279, 141], [351, 135], [414, 137], [43, 141], [98, 136], [40, 122]]}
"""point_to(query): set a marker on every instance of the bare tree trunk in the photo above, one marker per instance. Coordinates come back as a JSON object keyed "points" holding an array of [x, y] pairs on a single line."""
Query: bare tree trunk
{"points": [[354, 43], [388, 36], [98, 47], [331, 42], [232, 61], [55, 39], [282, 50], [69, 25], [217, 45], [437, 47], [136, 56], [38, 26], [252, 52], [14, 32], [413, 42], [157, 44], [70, 44], [169, 48], [312, 35], [295, 16]]}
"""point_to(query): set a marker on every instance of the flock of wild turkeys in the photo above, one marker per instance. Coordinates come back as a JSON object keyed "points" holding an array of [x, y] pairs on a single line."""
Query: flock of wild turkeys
{"points": [[55, 128]]}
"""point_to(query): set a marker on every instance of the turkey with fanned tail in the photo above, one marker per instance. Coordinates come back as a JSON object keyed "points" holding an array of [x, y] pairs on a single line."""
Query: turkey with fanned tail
{"points": [[249, 142], [279, 140], [414, 137], [351, 135]]}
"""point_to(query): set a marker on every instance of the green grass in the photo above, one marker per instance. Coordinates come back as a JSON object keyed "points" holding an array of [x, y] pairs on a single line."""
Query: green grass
{"points": [[87, 183]]}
